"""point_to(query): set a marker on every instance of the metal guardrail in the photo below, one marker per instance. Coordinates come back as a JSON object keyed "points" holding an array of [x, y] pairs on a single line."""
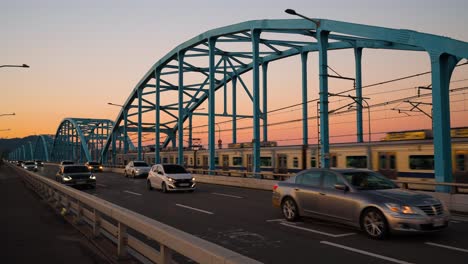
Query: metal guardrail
{"points": [[130, 233], [455, 187], [245, 174]]}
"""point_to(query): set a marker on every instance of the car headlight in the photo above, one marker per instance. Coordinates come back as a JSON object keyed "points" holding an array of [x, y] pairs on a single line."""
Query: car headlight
{"points": [[170, 179], [92, 177], [402, 209], [67, 178], [193, 178], [100, 167]]}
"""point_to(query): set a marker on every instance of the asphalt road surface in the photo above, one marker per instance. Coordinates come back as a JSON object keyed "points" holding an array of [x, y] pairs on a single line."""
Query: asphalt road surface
{"points": [[244, 221]]}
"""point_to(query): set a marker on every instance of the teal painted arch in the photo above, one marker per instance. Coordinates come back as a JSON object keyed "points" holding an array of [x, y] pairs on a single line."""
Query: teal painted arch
{"points": [[76, 139], [42, 147], [341, 35]]}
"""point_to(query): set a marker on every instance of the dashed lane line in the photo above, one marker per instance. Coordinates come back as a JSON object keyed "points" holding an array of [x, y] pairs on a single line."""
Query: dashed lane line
{"points": [[447, 247], [365, 252], [228, 195], [101, 185], [316, 231], [195, 209], [139, 194]]}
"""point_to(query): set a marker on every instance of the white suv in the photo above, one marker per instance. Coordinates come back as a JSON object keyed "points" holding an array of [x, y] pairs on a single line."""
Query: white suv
{"points": [[170, 177]]}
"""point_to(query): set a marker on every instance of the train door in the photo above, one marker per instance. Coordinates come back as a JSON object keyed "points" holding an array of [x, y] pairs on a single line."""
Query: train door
{"points": [[387, 164], [282, 165], [225, 162], [461, 166], [205, 162], [249, 163]]}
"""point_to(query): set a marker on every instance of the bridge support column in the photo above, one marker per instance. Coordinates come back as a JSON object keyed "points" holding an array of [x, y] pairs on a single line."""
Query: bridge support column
{"points": [[125, 134], [442, 67], [234, 109], [211, 104], [180, 119], [157, 131], [357, 58], [305, 115], [139, 122], [256, 100], [265, 100], [322, 37]]}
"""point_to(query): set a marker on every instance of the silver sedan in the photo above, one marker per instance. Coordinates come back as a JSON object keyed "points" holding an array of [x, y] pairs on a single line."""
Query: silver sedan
{"points": [[360, 198]]}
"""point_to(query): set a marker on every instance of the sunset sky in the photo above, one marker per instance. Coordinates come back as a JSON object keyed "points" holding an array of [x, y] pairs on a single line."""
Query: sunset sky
{"points": [[84, 54]]}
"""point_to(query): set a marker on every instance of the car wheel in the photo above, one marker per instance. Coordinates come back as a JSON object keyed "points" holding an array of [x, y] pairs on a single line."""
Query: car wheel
{"points": [[148, 185], [163, 188], [289, 209], [375, 225]]}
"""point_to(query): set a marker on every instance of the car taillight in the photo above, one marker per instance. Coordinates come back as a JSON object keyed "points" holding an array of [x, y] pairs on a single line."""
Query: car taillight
{"points": [[275, 187]]}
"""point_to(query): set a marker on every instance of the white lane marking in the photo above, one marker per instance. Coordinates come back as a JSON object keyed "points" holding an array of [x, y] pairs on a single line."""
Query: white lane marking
{"points": [[448, 247], [457, 218], [365, 252], [316, 231], [228, 195], [275, 220], [139, 194], [102, 185], [196, 209], [455, 222]]}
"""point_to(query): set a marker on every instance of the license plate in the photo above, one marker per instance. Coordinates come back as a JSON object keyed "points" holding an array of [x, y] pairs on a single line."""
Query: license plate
{"points": [[438, 222], [184, 184]]}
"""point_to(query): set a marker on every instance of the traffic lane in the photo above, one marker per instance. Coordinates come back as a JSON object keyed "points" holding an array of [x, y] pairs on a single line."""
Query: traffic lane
{"points": [[249, 238]]}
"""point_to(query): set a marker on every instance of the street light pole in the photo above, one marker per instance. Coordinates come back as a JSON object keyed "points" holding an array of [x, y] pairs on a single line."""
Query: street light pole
{"points": [[15, 66], [292, 12]]}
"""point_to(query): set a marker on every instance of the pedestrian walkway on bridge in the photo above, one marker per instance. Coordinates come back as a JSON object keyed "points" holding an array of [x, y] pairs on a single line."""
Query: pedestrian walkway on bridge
{"points": [[32, 232]]}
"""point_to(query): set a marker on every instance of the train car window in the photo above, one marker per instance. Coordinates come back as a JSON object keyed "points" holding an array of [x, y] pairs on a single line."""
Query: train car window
{"points": [[460, 162], [237, 161], [265, 161], [164, 160], [191, 161], [392, 164], [356, 161], [216, 160], [333, 161], [313, 162], [198, 161], [421, 162], [295, 162], [311, 178], [382, 162]]}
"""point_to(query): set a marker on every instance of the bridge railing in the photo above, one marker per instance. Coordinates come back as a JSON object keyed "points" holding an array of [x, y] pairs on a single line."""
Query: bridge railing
{"points": [[245, 174], [130, 233], [430, 186]]}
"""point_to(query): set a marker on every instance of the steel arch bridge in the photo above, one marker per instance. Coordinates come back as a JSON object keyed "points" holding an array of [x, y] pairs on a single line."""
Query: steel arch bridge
{"points": [[192, 72], [39, 150], [80, 139]]}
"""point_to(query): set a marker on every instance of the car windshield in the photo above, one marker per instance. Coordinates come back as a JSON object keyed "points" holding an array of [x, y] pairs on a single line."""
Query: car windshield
{"points": [[29, 163], [93, 163], [174, 169], [75, 169], [140, 164], [367, 180], [67, 162]]}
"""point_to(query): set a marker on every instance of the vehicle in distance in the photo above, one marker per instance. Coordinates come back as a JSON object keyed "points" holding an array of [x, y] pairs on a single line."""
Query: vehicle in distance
{"points": [[66, 162], [39, 163], [19, 163], [137, 168], [75, 175], [360, 198], [30, 166], [170, 177], [94, 166]]}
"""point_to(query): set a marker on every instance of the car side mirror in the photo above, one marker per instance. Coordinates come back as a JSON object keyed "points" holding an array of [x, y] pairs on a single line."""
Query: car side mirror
{"points": [[341, 187]]}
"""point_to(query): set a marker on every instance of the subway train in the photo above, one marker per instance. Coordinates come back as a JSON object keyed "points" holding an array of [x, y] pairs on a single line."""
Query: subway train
{"points": [[403, 155]]}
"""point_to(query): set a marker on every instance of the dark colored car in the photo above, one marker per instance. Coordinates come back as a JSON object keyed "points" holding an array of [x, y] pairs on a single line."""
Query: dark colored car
{"points": [[39, 163], [94, 166], [66, 162], [75, 175]]}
